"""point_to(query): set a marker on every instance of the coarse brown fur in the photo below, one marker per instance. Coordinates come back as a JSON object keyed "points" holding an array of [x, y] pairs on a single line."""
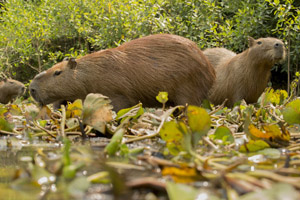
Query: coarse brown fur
{"points": [[245, 75], [135, 71], [10, 89]]}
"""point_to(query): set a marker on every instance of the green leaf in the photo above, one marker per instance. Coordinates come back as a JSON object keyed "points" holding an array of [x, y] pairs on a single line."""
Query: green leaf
{"points": [[97, 111], [223, 133], [291, 112], [132, 112], [78, 186], [180, 191], [198, 121], [172, 132], [5, 125], [115, 143], [162, 97], [254, 145]]}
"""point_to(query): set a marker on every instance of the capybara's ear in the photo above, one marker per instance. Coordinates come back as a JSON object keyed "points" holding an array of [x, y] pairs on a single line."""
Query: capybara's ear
{"points": [[66, 59], [72, 63], [251, 41]]}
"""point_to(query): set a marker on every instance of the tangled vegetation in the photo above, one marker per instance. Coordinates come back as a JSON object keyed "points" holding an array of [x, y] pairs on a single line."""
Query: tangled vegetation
{"points": [[184, 152]]}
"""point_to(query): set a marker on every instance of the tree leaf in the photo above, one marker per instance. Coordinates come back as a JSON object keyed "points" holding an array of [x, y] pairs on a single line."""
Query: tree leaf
{"points": [[181, 191]]}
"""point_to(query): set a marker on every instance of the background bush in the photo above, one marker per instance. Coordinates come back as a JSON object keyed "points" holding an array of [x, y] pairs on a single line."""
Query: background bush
{"points": [[38, 33]]}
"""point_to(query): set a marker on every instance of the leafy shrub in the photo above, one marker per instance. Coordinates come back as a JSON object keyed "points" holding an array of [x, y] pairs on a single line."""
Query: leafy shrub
{"points": [[37, 34]]}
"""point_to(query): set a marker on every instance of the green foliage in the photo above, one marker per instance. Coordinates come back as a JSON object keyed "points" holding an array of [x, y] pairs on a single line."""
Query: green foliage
{"points": [[181, 136], [37, 34], [291, 113]]}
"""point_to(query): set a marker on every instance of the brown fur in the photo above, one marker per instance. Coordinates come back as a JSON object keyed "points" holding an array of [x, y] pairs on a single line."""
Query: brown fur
{"points": [[245, 76], [135, 71], [10, 89], [218, 55]]}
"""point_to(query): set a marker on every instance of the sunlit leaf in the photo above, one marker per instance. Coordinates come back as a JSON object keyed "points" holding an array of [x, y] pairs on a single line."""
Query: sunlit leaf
{"points": [[115, 143], [199, 122], [291, 112], [254, 145], [272, 131], [97, 111], [74, 109], [223, 133], [276, 97], [172, 132], [162, 97]]}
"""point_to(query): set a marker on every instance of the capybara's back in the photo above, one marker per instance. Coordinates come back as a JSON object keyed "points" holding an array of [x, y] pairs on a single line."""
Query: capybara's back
{"points": [[245, 76], [217, 56], [10, 89], [135, 71]]}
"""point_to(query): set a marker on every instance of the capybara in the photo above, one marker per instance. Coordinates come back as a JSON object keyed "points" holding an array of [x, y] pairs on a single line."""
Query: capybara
{"points": [[245, 75], [135, 71], [218, 55], [10, 89]]}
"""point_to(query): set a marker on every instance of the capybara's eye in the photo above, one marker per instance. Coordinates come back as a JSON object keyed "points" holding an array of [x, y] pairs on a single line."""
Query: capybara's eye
{"points": [[11, 82], [56, 73], [259, 42]]}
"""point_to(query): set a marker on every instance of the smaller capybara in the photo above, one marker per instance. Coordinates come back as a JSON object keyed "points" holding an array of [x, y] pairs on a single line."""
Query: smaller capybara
{"points": [[10, 89], [245, 75], [134, 72]]}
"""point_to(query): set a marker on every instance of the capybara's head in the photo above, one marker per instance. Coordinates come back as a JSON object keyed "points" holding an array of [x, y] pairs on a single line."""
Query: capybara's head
{"points": [[10, 89], [56, 83], [267, 49]]}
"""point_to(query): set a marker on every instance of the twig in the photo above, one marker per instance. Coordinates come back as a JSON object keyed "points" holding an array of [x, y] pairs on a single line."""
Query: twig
{"points": [[43, 129], [63, 121]]}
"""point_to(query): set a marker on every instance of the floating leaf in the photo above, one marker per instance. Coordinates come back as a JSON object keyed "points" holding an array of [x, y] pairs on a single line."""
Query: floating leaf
{"points": [[254, 145], [291, 112], [5, 125], [97, 111], [270, 132], [172, 132], [277, 191], [78, 187], [180, 191], [198, 121], [223, 133]]}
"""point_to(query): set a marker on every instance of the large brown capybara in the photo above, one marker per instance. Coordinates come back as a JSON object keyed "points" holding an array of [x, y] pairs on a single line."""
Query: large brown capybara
{"points": [[10, 89], [135, 71], [245, 75]]}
